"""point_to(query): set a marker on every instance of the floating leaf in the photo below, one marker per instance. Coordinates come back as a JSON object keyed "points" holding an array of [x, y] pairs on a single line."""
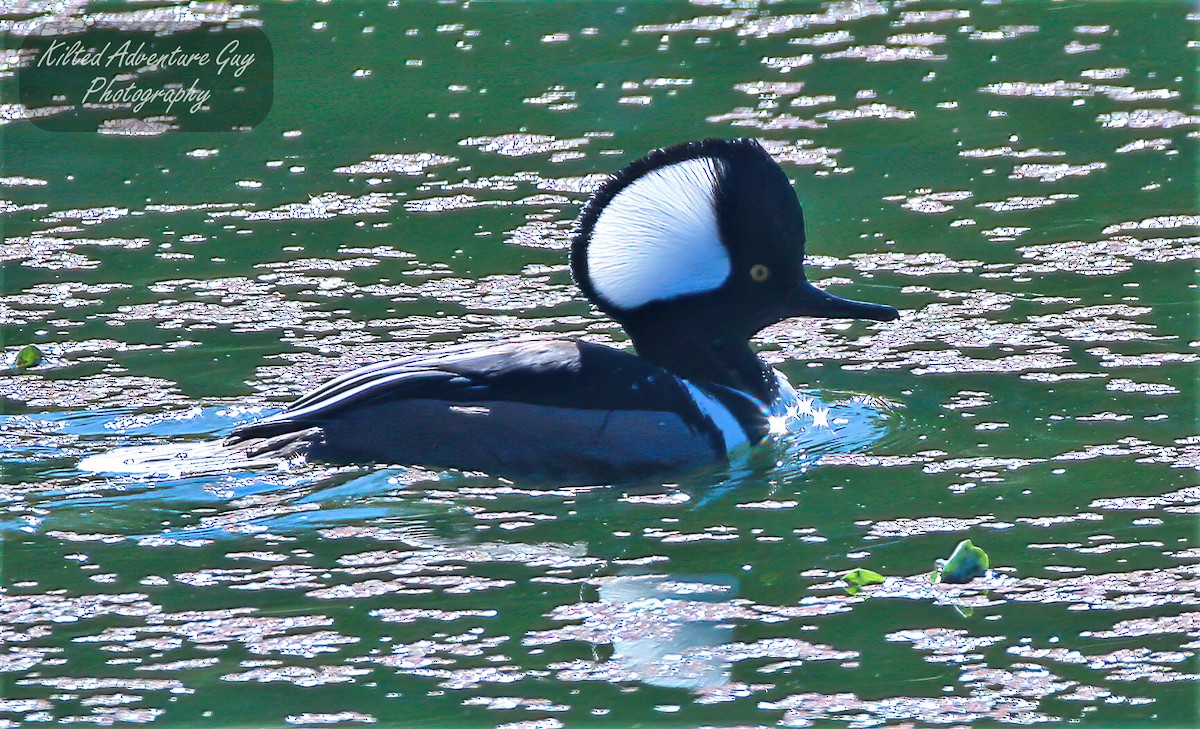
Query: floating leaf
{"points": [[965, 564], [29, 356], [859, 577]]}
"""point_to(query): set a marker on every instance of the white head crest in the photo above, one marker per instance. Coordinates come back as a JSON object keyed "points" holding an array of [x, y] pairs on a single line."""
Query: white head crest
{"points": [[658, 237]]}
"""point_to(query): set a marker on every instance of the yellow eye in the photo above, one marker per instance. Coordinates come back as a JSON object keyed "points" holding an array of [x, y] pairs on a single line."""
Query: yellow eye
{"points": [[759, 272]]}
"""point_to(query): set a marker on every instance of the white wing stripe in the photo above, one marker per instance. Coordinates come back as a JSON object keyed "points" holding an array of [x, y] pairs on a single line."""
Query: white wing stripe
{"points": [[731, 430]]}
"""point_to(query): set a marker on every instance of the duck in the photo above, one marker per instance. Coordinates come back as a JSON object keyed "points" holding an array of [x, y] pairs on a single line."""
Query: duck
{"points": [[692, 250]]}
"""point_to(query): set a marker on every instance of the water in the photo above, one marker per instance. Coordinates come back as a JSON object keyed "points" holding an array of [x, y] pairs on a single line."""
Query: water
{"points": [[1018, 178]]}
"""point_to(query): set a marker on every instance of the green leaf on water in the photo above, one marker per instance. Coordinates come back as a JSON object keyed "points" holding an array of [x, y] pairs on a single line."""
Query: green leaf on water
{"points": [[965, 564], [859, 577], [29, 356]]}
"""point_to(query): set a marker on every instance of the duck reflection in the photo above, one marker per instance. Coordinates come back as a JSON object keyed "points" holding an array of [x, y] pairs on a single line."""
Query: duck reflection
{"points": [[664, 630]]}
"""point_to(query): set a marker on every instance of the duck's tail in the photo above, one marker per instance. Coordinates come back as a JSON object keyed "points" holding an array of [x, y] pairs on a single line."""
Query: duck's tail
{"points": [[280, 438], [246, 449]]}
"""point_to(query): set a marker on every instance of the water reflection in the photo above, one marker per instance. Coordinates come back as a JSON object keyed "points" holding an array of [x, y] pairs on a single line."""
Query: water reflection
{"points": [[664, 630]]}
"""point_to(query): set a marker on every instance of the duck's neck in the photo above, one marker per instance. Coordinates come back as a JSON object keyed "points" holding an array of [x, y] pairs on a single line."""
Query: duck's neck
{"points": [[722, 361]]}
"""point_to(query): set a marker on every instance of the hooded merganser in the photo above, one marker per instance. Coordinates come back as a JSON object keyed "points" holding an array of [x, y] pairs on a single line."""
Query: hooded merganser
{"points": [[692, 249]]}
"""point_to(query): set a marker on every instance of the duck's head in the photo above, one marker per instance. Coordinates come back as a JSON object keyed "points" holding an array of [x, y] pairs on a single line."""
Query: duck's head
{"points": [[707, 235]]}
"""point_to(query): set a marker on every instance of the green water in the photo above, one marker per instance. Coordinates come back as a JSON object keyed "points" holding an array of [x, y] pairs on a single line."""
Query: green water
{"points": [[1037, 397]]}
